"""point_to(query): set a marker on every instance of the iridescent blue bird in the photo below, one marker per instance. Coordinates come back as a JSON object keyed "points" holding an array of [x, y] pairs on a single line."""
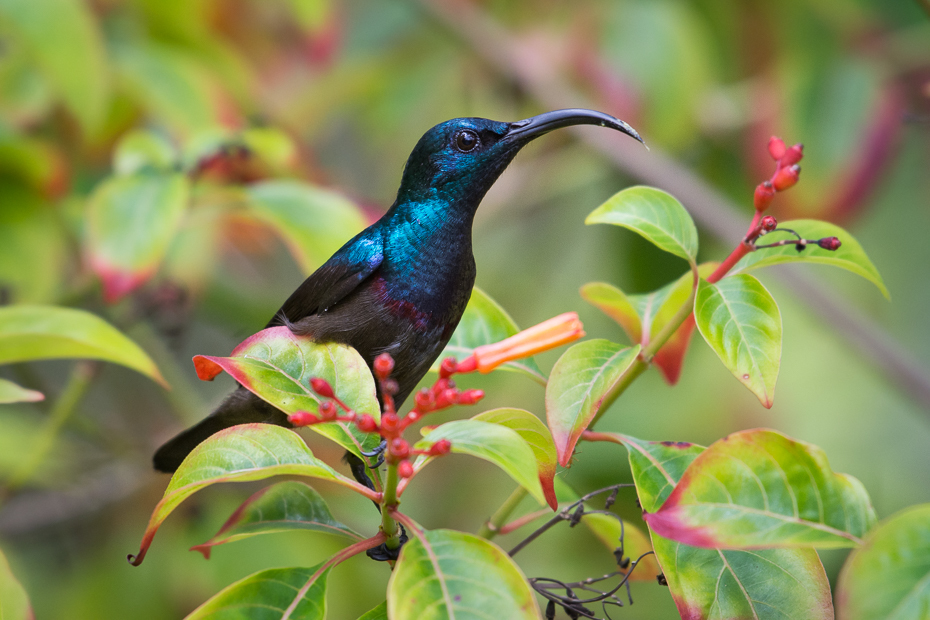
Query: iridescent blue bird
{"points": [[401, 285]]}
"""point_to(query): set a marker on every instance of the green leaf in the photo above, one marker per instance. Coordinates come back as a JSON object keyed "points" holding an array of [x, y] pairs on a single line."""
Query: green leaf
{"points": [[492, 442], [140, 150], [63, 39], [21, 435], [171, 86], [535, 433], [622, 308], [889, 575], [850, 256], [740, 321], [46, 332], [611, 531], [33, 248], [12, 393], [654, 214], [277, 366], [313, 222], [758, 488], [274, 594], [238, 454], [378, 613], [447, 574], [485, 322], [14, 602], [272, 146], [281, 507], [765, 584], [130, 223], [578, 383]]}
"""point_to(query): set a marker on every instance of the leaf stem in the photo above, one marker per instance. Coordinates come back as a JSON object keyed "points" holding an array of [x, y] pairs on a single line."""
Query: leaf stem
{"points": [[492, 526], [82, 374], [388, 507]]}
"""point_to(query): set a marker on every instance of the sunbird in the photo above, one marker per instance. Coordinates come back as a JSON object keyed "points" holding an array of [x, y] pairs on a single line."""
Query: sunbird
{"points": [[401, 285]]}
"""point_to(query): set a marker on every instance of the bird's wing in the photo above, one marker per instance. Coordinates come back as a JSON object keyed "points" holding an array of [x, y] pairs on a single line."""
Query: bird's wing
{"points": [[334, 280]]}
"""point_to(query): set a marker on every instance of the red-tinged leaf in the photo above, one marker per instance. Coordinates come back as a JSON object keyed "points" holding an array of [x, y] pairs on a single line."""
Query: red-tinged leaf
{"points": [[238, 454], [756, 489], [274, 594], [12, 393], [444, 574], [889, 575], [532, 429], [131, 221], [616, 304], [717, 584], [671, 356], [281, 507], [277, 366], [14, 603], [578, 384]]}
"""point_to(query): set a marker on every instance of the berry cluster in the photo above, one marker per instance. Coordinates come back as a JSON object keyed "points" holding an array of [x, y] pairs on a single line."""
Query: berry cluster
{"points": [[397, 451], [786, 172]]}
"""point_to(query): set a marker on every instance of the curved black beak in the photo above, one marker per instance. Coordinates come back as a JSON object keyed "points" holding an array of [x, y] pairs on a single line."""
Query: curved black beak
{"points": [[535, 126]]}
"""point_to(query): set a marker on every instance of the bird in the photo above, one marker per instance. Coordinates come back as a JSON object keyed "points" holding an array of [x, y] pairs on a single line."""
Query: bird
{"points": [[401, 285]]}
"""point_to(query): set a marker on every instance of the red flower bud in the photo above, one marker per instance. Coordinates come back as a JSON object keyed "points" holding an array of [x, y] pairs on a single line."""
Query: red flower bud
{"points": [[389, 422], [424, 400], [793, 155], [440, 447], [786, 177], [830, 243], [389, 386], [412, 417], [302, 418], [448, 367], [328, 410], [322, 387], [399, 448], [777, 148], [367, 424], [769, 223], [405, 469], [384, 365], [470, 397], [764, 194]]}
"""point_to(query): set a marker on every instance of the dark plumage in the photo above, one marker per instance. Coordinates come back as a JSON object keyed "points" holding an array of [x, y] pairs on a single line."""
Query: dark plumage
{"points": [[401, 285]]}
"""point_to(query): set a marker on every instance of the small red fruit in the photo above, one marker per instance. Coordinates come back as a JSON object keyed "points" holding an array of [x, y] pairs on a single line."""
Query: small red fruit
{"points": [[405, 469], [384, 365], [302, 418], [400, 449], [322, 387], [328, 410], [764, 194], [769, 223], [793, 155], [830, 243], [786, 177], [367, 424], [777, 148]]}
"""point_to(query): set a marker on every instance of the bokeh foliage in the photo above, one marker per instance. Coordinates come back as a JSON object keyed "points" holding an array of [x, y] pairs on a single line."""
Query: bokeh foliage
{"points": [[333, 96]]}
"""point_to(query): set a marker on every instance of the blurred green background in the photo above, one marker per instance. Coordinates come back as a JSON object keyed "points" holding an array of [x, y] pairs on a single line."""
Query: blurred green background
{"points": [[354, 84]]}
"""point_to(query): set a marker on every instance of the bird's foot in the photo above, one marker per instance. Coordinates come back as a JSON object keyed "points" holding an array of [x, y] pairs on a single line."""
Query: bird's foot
{"points": [[377, 451], [382, 554]]}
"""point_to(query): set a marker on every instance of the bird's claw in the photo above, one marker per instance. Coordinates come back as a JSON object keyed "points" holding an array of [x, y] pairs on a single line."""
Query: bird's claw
{"points": [[377, 451]]}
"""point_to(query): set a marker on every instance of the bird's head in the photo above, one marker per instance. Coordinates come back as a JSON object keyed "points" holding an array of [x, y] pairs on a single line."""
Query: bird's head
{"points": [[457, 161]]}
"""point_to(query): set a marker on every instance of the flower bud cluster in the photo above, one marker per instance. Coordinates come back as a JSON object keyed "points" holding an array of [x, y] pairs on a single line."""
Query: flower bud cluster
{"points": [[391, 427], [786, 172]]}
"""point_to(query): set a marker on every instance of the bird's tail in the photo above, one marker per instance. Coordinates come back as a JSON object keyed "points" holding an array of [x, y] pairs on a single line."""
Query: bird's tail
{"points": [[240, 407]]}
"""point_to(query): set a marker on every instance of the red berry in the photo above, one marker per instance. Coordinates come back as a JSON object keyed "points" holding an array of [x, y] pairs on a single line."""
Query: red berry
{"points": [[367, 424], [405, 469], [384, 365], [322, 387], [328, 410], [302, 418], [400, 449], [830, 243], [424, 400], [769, 223], [777, 148], [389, 422], [448, 367], [793, 155], [786, 177], [764, 194], [470, 397], [440, 447]]}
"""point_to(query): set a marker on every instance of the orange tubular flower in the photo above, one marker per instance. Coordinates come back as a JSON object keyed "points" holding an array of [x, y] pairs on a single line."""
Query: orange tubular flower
{"points": [[547, 335]]}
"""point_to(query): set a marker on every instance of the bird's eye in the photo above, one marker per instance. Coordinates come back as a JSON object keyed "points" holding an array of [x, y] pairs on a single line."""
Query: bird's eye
{"points": [[466, 141]]}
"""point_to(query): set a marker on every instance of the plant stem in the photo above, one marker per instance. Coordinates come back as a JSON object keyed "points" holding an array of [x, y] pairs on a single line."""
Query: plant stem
{"points": [[492, 526], [82, 374], [388, 506]]}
